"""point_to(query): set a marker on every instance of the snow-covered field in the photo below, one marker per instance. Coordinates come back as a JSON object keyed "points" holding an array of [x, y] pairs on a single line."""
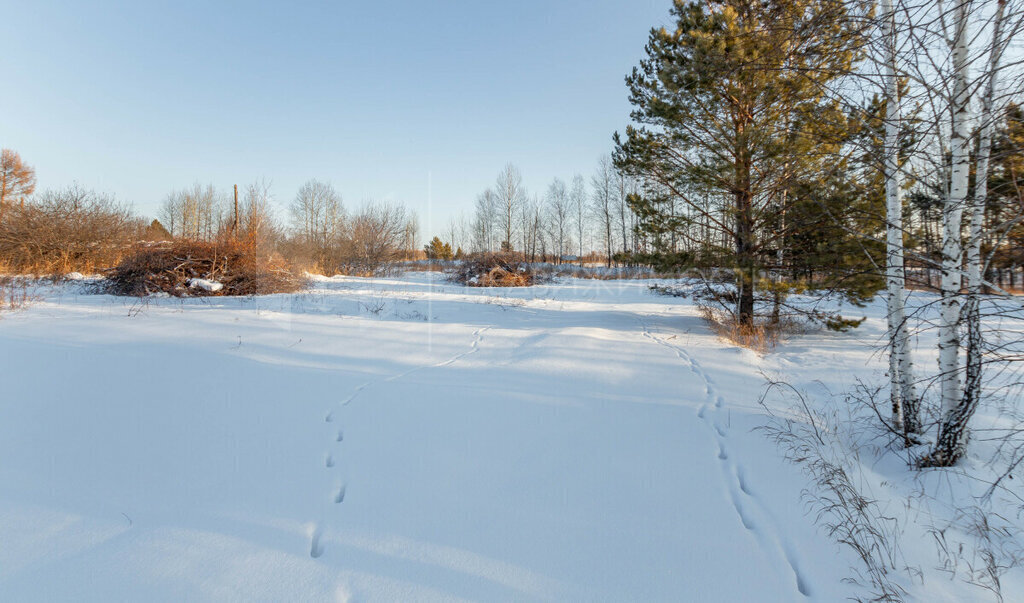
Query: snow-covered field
{"points": [[405, 439]]}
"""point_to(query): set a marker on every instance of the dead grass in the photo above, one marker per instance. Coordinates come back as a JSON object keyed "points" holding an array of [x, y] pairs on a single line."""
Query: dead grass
{"points": [[14, 293], [170, 268], [762, 337]]}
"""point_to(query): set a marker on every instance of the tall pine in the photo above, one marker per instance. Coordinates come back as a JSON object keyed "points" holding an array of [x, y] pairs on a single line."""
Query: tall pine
{"points": [[733, 122]]}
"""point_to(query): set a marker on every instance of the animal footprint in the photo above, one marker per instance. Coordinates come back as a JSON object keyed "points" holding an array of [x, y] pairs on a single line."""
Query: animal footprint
{"points": [[315, 547]]}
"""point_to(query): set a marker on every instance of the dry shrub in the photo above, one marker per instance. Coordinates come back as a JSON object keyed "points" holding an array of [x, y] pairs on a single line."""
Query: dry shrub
{"points": [[71, 230], [14, 293], [241, 269], [494, 270], [328, 241], [762, 336]]}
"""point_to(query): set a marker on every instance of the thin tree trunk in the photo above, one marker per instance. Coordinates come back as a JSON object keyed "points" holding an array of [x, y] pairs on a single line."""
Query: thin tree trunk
{"points": [[952, 434], [905, 407], [972, 311]]}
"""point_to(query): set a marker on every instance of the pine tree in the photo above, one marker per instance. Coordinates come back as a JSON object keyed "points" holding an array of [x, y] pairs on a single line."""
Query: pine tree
{"points": [[732, 118], [156, 232], [437, 249]]}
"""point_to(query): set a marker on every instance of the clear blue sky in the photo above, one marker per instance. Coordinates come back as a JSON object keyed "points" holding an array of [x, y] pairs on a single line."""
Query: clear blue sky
{"points": [[137, 98]]}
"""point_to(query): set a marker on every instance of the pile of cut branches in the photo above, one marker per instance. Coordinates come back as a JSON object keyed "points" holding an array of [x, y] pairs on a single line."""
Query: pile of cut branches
{"points": [[494, 270], [197, 268]]}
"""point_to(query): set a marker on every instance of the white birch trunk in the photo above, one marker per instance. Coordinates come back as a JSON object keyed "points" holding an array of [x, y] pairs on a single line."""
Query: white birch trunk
{"points": [[902, 394], [952, 247], [972, 381]]}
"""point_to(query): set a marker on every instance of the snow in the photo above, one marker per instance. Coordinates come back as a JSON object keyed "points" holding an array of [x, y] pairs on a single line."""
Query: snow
{"points": [[205, 284], [404, 439]]}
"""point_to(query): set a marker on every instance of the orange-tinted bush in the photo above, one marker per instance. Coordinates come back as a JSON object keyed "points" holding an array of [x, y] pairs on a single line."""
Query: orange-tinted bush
{"points": [[65, 231]]}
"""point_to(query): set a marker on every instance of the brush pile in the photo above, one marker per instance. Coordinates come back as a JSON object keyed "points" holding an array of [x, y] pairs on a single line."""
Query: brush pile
{"points": [[494, 270], [195, 268]]}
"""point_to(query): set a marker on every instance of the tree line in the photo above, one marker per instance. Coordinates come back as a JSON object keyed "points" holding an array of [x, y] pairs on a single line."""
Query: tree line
{"points": [[568, 221], [319, 233], [76, 229]]}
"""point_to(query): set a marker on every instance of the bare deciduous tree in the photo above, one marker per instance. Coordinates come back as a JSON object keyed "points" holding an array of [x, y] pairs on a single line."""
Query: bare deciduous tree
{"points": [[318, 218], [484, 219], [510, 196], [256, 217], [557, 200], [17, 179], [376, 234], [603, 201], [411, 235], [192, 212], [578, 205]]}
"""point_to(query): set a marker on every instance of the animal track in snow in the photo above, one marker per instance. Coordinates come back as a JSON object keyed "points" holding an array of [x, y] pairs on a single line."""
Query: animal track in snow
{"points": [[743, 482], [355, 393], [734, 475], [316, 548]]}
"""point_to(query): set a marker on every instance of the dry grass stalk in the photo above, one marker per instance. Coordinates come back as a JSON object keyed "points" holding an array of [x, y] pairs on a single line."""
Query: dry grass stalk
{"points": [[761, 337], [14, 293]]}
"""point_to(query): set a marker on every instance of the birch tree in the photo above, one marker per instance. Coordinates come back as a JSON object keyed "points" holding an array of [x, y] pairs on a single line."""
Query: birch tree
{"points": [[905, 405], [256, 219], [318, 217], [578, 204], [484, 219], [972, 312], [510, 196], [952, 214], [951, 431], [959, 400], [557, 201], [603, 183]]}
